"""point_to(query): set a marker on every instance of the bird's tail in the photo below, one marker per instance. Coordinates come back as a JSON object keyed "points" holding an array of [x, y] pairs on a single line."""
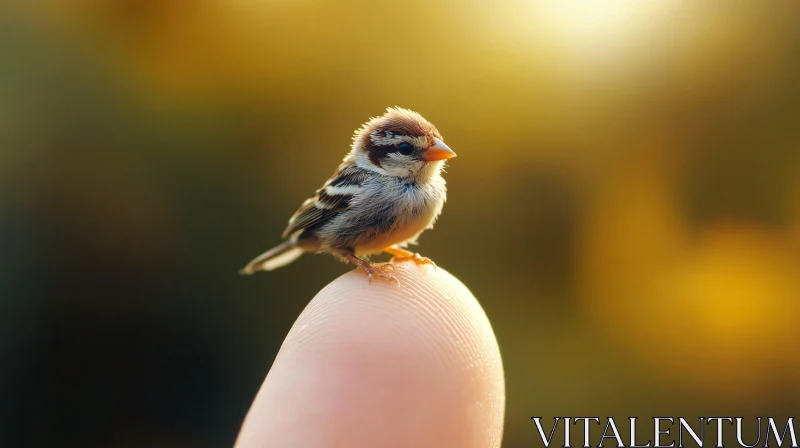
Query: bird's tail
{"points": [[274, 258]]}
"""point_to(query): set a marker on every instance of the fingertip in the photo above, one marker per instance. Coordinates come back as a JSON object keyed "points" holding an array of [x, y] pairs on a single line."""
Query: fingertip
{"points": [[376, 364]]}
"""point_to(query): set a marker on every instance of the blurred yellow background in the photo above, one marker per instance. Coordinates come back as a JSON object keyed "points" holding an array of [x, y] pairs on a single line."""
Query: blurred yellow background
{"points": [[625, 204]]}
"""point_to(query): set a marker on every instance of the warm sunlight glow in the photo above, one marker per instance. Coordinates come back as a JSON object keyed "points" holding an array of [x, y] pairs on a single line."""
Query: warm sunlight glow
{"points": [[591, 18], [597, 29]]}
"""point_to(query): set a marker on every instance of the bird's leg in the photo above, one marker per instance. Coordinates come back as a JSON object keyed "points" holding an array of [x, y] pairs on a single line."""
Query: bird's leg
{"points": [[373, 271], [406, 255]]}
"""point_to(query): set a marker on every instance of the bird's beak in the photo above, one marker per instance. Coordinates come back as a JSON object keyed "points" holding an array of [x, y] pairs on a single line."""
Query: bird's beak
{"points": [[438, 151]]}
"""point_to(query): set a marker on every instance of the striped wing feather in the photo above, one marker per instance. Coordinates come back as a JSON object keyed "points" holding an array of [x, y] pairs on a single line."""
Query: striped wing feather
{"points": [[327, 202]]}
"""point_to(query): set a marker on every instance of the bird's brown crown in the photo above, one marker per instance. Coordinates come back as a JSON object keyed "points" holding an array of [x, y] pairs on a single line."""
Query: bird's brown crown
{"points": [[379, 136]]}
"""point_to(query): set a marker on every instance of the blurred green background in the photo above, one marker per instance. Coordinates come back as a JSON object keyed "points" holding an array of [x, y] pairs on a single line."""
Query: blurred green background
{"points": [[625, 204]]}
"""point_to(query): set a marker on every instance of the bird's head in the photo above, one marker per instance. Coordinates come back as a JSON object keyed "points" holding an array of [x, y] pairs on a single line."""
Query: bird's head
{"points": [[401, 143]]}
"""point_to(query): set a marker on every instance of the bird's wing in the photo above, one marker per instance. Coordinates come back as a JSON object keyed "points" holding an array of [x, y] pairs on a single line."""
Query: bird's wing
{"points": [[330, 200]]}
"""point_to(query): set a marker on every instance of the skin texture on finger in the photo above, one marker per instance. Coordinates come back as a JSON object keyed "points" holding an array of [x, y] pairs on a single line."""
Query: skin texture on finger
{"points": [[377, 365]]}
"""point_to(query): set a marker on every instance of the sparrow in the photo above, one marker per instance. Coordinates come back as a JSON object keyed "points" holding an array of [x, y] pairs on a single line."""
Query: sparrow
{"points": [[386, 192]]}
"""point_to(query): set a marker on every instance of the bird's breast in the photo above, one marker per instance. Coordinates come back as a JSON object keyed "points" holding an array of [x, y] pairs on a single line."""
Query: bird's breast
{"points": [[402, 216]]}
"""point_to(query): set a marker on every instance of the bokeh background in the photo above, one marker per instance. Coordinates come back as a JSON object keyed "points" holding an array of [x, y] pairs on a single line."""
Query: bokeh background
{"points": [[625, 204]]}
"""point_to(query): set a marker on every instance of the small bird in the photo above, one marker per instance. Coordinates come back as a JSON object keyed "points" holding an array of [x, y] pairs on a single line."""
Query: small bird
{"points": [[386, 192]]}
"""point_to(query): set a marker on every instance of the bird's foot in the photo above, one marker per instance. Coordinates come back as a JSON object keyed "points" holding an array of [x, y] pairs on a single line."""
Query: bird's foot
{"points": [[416, 258], [379, 271], [375, 271]]}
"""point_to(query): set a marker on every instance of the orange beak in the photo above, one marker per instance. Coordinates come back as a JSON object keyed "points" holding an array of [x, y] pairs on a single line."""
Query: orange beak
{"points": [[438, 151]]}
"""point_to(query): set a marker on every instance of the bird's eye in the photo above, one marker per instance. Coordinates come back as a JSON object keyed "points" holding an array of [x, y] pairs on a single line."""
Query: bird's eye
{"points": [[405, 149]]}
